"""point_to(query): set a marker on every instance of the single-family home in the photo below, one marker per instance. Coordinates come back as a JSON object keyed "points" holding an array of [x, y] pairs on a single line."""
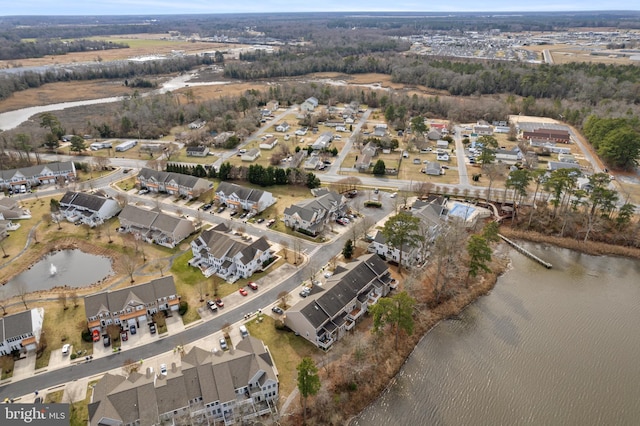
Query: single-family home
{"points": [[283, 127], [273, 106], [330, 311], [10, 209], [238, 197], [434, 135], [508, 156], [198, 124], [431, 213], [555, 165], [483, 130], [154, 226], [334, 123], [310, 104], [218, 251], [365, 158], [172, 183], [251, 155], [433, 169], [442, 156], [90, 209], [130, 306], [442, 144], [154, 147], [301, 131], [21, 331], [42, 174], [567, 158], [312, 215], [203, 387], [322, 142], [297, 158], [197, 151], [312, 163], [269, 143]]}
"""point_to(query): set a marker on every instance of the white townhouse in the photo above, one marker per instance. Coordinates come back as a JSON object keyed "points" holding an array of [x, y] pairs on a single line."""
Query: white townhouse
{"points": [[43, 174], [154, 226], [21, 331], [89, 209], [238, 197], [311, 216]]}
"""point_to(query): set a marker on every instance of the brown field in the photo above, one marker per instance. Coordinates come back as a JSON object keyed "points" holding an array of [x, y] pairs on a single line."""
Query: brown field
{"points": [[564, 54]]}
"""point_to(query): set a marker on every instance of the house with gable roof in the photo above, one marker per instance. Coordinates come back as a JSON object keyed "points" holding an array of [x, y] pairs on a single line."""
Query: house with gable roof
{"points": [[432, 214], [89, 209], [217, 251], [238, 197], [129, 306], [205, 387], [154, 226], [21, 331], [333, 309], [314, 214], [172, 183], [309, 105], [42, 174], [10, 209]]}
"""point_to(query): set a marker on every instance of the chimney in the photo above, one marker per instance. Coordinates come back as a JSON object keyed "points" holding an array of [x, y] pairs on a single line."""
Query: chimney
{"points": [[174, 368]]}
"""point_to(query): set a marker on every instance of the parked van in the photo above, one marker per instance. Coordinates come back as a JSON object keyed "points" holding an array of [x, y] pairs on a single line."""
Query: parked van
{"points": [[243, 331]]}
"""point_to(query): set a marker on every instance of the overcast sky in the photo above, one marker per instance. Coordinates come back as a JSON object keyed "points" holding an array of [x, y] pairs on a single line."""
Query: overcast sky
{"points": [[153, 7]]}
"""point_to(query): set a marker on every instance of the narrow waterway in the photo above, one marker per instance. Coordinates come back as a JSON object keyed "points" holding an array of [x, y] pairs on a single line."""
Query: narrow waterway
{"points": [[546, 347]]}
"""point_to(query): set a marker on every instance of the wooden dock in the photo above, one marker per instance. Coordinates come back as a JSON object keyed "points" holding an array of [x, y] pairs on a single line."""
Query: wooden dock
{"points": [[526, 252]]}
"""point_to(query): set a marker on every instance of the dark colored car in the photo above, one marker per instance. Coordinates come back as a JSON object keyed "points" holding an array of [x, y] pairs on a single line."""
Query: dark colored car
{"points": [[233, 213], [106, 340], [207, 206], [152, 327], [260, 220], [132, 329], [277, 310]]}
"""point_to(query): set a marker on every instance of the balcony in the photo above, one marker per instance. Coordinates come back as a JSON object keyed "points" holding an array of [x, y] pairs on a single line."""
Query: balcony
{"points": [[354, 315], [325, 342], [349, 324]]}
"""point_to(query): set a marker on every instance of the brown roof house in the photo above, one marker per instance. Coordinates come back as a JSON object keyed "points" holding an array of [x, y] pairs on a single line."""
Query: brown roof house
{"points": [[330, 311], [311, 216], [131, 305], [154, 226], [223, 388], [89, 209], [21, 331], [172, 183], [218, 251]]}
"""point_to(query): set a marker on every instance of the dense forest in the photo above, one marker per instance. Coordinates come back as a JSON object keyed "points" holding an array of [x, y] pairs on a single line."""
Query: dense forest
{"points": [[12, 48]]}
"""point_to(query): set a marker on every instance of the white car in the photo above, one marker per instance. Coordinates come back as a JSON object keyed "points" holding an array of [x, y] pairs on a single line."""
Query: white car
{"points": [[65, 349], [394, 195], [163, 369], [328, 274]]}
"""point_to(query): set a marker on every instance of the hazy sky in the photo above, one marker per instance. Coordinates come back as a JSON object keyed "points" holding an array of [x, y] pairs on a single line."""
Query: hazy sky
{"points": [[148, 7]]}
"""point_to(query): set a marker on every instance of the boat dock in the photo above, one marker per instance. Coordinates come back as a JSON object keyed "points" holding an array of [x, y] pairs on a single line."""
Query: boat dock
{"points": [[526, 252]]}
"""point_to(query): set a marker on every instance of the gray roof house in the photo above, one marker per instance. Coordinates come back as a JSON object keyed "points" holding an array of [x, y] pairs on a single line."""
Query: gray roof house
{"points": [[369, 151], [172, 183], [329, 312], [21, 331], [228, 387], [10, 210], [42, 174], [86, 208], [433, 168], [313, 215], [239, 197], [251, 155], [154, 226], [323, 141], [131, 305], [309, 104], [555, 165], [431, 214], [197, 151], [218, 251]]}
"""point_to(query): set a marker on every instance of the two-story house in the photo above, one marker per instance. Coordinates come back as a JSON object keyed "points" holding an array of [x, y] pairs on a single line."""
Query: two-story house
{"points": [[283, 127], [154, 226], [129, 306], [172, 183], [89, 209], [10, 209], [333, 309], [43, 174], [309, 105], [21, 331], [228, 387], [311, 216], [218, 251], [431, 213], [238, 197]]}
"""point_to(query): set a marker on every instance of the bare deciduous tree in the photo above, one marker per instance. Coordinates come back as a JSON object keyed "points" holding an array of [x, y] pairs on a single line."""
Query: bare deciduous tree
{"points": [[284, 298]]}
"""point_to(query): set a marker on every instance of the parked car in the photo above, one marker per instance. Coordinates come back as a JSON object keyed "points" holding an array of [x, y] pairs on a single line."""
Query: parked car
{"points": [[243, 292], [260, 220], [143, 191], [253, 285], [233, 213], [277, 310], [106, 340], [124, 336], [152, 327], [243, 331], [96, 335], [132, 329], [221, 209], [328, 274], [341, 222], [65, 349], [212, 305], [219, 303], [243, 215], [223, 344], [271, 222], [207, 206], [393, 195], [163, 369], [305, 292]]}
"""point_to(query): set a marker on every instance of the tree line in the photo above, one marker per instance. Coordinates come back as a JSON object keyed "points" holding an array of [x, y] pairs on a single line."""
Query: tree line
{"points": [[13, 50]]}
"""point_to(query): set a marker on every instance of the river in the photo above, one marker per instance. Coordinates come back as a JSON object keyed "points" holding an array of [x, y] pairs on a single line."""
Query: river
{"points": [[545, 347]]}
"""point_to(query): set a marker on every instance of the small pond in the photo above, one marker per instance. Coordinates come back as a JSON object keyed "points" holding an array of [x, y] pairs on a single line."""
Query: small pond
{"points": [[71, 268]]}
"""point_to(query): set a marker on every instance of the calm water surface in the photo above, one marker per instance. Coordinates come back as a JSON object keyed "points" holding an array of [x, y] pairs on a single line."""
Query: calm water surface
{"points": [[546, 347]]}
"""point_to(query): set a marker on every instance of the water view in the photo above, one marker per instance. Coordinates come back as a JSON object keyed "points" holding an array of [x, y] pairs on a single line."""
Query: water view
{"points": [[552, 347], [72, 268]]}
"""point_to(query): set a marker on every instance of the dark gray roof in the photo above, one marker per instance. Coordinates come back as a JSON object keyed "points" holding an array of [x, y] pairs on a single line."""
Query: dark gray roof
{"points": [[15, 325], [306, 209], [243, 193], [34, 171], [80, 199], [222, 245], [186, 181]]}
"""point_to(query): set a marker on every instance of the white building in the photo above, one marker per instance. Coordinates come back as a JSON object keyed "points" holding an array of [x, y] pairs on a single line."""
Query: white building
{"points": [[21, 331], [89, 209]]}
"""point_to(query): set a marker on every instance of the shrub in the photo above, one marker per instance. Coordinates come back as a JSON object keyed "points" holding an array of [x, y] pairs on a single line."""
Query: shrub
{"points": [[73, 356], [372, 204], [86, 336], [183, 307]]}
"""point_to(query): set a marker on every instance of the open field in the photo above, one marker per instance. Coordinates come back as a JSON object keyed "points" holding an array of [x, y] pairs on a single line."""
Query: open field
{"points": [[564, 54]]}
